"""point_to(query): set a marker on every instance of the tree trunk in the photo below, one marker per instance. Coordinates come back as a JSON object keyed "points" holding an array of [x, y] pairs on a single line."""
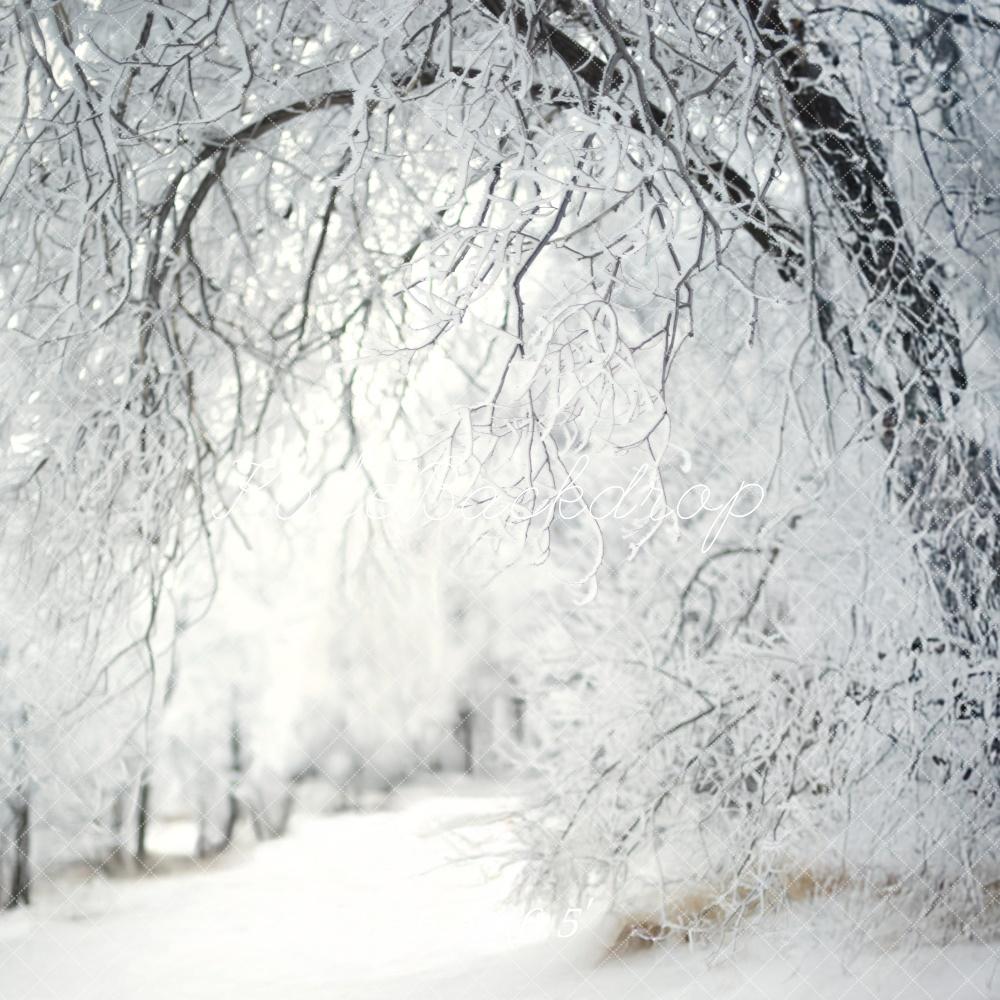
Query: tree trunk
{"points": [[144, 812], [463, 734], [143, 816], [236, 765], [20, 888], [519, 707], [948, 483]]}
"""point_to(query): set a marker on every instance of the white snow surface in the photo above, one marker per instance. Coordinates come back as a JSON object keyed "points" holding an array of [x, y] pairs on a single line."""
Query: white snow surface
{"points": [[371, 906]]}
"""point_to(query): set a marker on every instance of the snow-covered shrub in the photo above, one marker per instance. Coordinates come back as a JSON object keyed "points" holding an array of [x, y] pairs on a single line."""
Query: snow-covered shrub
{"points": [[731, 724]]}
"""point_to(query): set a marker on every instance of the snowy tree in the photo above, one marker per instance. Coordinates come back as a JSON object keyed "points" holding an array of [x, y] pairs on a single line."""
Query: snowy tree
{"points": [[483, 235]]}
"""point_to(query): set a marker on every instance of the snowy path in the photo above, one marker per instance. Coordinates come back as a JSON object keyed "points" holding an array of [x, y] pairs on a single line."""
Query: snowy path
{"points": [[362, 906]]}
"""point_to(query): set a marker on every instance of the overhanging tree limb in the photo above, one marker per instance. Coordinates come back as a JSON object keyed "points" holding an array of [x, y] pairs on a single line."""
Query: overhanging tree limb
{"points": [[949, 483], [761, 222]]}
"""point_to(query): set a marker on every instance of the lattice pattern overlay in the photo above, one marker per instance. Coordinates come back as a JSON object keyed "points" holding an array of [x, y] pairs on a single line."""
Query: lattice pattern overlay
{"points": [[499, 499]]}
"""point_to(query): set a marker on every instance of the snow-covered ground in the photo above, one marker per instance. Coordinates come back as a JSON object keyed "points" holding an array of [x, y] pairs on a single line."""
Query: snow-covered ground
{"points": [[368, 907]]}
